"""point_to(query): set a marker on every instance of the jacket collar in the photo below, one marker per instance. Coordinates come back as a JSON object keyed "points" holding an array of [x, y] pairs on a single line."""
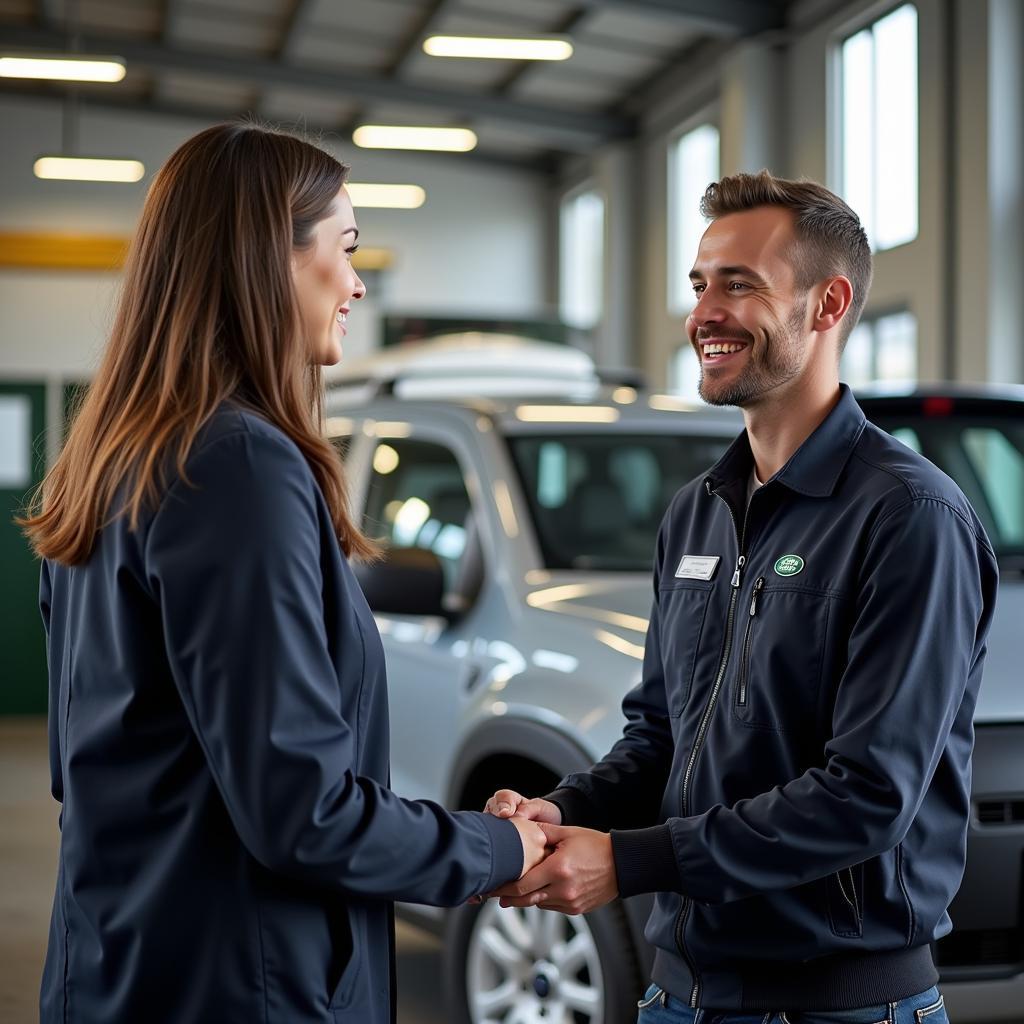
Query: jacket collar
{"points": [[815, 466]]}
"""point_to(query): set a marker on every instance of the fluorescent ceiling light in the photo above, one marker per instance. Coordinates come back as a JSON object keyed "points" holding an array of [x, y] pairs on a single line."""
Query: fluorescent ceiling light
{"points": [[379, 136], [67, 69], [78, 168], [395, 197], [490, 47]]}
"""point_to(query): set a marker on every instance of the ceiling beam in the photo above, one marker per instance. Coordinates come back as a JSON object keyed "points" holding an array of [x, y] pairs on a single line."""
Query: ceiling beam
{"points": [[169, 21], [50, 13], [365, 88], [566, 27], [325, 133], [294, 22], [712, 17], [402, 58], [410, 45]]}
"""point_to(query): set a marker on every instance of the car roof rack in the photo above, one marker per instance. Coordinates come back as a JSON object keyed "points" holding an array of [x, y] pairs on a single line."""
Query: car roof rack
{"points": [[472, 365]]}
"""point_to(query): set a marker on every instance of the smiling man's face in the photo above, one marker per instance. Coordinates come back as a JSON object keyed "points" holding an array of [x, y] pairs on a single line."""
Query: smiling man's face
{"points": [[749, 327]]}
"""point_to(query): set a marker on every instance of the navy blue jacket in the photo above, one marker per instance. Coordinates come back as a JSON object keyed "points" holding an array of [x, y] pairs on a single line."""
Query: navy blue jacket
{"points": [[794, 777], [219, 745]]}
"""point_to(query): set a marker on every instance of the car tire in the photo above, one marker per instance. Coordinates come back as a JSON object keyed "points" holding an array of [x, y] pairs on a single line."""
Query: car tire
{"points": [[569, 970]]}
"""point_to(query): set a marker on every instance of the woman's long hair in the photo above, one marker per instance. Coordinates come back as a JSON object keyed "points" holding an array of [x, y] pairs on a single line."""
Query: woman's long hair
{"points": [[207, 313]]}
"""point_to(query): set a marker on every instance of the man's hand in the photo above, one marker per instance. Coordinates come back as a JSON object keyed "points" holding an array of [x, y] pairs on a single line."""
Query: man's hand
{"points": [[507, 803], [579, 876]]}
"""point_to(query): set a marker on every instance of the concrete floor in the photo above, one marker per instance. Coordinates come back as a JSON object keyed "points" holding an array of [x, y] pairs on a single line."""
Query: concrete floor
{"points": [[28, 856]]}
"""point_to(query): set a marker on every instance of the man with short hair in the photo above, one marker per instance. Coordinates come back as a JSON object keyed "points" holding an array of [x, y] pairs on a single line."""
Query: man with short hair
{"points": [[793, 780]]}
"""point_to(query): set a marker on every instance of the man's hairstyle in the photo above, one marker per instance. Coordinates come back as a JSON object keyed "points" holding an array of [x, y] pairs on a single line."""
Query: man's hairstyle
{"points": [[829, 237]]}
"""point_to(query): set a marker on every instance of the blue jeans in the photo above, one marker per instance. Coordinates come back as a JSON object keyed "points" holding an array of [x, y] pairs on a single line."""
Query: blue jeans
{"points": [[658, 1007]]}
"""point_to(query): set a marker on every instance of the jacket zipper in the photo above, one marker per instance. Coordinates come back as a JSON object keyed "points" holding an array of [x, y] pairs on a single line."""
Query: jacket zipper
{"points": [[851, 898], [698, 743], [741, 697]]}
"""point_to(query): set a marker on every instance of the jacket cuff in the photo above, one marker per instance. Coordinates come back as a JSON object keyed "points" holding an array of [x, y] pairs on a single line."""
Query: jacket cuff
{"points": [[506, 851], [645, 861], [575, 807]]}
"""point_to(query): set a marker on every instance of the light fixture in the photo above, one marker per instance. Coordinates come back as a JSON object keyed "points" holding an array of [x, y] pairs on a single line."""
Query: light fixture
{"points": [[62, 67], [498, 48], [379, 136], [69, 165], [83, 168], [394, 197]]}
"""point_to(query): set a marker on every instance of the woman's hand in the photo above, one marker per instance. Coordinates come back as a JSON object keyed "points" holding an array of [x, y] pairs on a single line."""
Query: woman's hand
{"points": [[577, 877], [507, 803], [534, 843]]}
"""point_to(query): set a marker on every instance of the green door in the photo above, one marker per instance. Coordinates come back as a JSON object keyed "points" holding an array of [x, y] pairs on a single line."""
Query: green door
{"points": [[22, 464]]}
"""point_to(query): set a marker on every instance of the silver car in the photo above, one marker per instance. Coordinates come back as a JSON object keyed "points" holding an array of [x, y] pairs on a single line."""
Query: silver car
{"points": [[513, 606]]}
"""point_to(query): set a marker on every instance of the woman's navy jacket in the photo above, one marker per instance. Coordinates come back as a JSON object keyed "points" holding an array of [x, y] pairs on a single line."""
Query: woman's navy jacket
{"points": [[219, 746]]}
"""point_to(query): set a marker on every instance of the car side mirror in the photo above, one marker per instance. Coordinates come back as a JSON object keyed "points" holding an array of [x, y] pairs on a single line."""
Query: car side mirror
{"points": [[408, 581]]}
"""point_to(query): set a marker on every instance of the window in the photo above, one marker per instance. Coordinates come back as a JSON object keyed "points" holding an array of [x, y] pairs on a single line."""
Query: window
{"points": [[418, 498], [984, 453], [693, 163], [996, 453], [692, 166], [581, 258], [879, 164], [883, 348], [596, 500]]}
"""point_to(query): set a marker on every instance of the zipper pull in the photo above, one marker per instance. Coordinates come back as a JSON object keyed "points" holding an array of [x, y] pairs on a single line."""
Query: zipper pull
{"points": [[758, 587], [740, 562]]}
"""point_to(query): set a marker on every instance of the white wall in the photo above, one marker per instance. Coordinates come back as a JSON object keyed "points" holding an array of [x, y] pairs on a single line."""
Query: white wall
{"points": [[480, 245]]}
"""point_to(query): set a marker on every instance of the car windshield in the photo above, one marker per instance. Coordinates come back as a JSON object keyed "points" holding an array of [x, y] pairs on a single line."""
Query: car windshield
{"points": [[985, 456], [597, 499]]}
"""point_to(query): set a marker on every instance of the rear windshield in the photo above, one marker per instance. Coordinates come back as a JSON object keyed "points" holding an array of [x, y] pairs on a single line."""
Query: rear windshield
{"points": [[597, 500], [985, 456]]}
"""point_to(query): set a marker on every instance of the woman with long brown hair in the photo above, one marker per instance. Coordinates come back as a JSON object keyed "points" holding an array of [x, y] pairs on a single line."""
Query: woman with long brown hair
{"points": [[218, 710]]}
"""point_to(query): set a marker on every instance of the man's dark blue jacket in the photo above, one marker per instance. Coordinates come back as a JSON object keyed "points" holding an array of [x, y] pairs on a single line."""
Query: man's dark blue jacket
{"points": [[799, 747], [219, 745]]}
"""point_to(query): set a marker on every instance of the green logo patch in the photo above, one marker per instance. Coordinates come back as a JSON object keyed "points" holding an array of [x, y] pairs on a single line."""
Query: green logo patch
{"points": [[789, 565]]}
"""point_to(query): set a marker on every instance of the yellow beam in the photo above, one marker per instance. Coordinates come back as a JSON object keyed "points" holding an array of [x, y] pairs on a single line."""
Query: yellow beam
{"points": [[35, 250], [368, 258], [44, 251]]}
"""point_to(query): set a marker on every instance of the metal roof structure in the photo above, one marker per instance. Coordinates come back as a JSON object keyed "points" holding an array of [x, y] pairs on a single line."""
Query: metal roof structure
{"points": [[332, 64]]}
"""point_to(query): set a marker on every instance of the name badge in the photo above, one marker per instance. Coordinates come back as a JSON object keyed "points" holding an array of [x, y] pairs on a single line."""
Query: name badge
{"points": [[697, 567]]}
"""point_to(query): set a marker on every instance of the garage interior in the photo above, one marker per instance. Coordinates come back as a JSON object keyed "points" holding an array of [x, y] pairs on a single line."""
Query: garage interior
{"points": [[572, 220]]}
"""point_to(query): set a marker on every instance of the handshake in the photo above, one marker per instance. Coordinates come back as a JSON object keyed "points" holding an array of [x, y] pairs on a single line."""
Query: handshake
{"points": [[570, 870]]}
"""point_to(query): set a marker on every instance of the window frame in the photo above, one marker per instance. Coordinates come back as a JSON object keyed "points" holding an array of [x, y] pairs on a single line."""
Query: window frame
{"points": [[871, 319], [709, 117], [835, 121], [588, 187]]}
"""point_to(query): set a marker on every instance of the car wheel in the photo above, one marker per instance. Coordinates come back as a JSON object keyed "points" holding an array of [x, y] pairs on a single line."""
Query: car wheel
{"points": [[504, 966]]}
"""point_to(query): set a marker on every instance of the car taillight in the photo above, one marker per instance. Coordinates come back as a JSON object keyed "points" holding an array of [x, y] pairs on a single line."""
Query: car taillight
{"points": [[937, 406]]}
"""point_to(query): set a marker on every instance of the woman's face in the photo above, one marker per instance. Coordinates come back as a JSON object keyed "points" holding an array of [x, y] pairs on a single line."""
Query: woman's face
{"points": [[325, 281]]}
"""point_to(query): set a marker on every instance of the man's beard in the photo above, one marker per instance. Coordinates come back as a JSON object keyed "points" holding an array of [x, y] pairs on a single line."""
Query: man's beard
{"points": [[776, 363]]}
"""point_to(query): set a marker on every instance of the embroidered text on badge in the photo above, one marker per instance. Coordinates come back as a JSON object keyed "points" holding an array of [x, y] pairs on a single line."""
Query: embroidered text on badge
{"points": [[697, 567]]}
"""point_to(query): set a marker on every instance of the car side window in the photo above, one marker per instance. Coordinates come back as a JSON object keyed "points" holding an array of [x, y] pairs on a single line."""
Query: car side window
{"points": [[418, 498]]}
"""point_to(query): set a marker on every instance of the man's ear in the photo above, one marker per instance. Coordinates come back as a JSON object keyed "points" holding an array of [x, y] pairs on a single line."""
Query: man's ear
{"points": [[833, 302]]}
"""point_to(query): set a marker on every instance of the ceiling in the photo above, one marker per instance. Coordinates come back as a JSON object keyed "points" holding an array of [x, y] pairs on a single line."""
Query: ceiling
{"points": [[333, 64]]}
